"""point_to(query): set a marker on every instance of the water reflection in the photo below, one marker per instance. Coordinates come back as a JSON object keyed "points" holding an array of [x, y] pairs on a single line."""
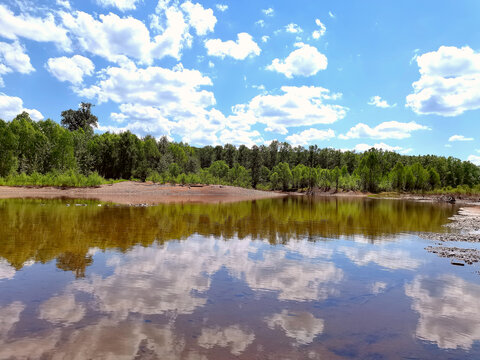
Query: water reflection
{"points": [[301, 326], [270, 279], [449, 310]]}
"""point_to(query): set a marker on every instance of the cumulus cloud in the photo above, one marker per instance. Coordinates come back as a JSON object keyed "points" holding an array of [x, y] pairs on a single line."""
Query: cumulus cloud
{"points": [[296, 106], [160, 101], [34, 28], [11, 106], [112, 37], [317, 34], [119, 38], [14, 58], [449, 82], [475, 159], [240, 137], [460, 138], [122, 5], [202, 20], [293, 28], [304, 61], [268, 12], [239, 50], [380, 146], [379, 102], [309, 136], [221, 7], [64, 3], [70, 69], [265, 38], [385, 130]]}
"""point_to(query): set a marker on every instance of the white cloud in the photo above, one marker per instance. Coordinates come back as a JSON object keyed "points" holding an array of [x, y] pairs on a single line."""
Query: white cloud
{"points": [[11, 106], [222, 7], [305, 61], [475, 159], [111, 37], [9, 315], [293, 28], [378, 287], [202, 20], [265, 38], [317, 34], [379, 146], [118, 38], [70, 69], [260, 23], [13, 58], [121, 5], [239, 50], [160, 101], [385, 130], [34, 28], [460, 138], [379, 102], [449, 82], [240, 137], [309, 136], [268, 12], [296, 106], [332, 15], [64, 3]]}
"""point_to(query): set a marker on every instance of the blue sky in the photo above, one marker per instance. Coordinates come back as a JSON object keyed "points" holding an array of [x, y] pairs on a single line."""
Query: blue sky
{"points": [[345, 74]]}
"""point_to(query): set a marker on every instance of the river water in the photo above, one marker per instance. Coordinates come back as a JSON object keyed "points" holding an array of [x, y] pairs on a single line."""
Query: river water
{"points": [[273, 279]]}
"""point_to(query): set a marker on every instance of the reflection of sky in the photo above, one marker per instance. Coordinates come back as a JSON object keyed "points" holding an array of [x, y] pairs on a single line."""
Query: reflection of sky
{"points": [[449, 310], [136, 302]]}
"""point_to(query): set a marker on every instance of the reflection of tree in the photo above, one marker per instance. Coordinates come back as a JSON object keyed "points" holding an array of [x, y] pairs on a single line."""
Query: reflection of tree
{"points": [[42, 230], [77, 263]]}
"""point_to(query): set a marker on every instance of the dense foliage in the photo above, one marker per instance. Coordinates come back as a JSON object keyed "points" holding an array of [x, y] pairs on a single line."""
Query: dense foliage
{"points": [[30, 148]]}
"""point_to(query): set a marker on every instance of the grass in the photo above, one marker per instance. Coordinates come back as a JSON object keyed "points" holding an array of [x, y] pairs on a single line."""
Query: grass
{"points": [[68, 179]]}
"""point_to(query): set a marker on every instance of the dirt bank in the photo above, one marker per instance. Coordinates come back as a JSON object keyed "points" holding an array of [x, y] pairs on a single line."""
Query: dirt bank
{"points": [[134, 193]]}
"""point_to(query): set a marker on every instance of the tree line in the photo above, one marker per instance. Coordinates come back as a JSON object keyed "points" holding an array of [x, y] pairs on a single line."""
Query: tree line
{"points": [[39, 148]]}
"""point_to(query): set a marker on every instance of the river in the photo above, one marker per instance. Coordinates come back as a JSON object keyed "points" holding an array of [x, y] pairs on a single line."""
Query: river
{"points": [[289, 278]]}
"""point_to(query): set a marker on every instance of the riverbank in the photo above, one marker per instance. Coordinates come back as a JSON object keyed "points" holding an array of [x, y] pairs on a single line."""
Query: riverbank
{"points": [[464, 227], [136, 193]]}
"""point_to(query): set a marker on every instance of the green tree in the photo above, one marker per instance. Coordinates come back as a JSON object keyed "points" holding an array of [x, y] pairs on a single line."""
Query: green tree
{"points": [[80, 119], [284, 174]]}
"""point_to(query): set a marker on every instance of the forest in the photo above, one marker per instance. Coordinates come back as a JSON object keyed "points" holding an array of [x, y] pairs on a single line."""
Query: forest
{"points": [[71, 154]]}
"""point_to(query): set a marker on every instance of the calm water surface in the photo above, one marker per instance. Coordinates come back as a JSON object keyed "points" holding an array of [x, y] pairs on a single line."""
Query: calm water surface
{"points": [[271, 279]]}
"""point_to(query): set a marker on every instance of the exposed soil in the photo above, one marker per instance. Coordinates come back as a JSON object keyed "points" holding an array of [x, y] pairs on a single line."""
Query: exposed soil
{"points": [[134, 193]]}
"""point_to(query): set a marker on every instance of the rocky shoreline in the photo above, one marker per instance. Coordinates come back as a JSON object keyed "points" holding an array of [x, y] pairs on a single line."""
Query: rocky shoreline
{"points": [[464, 227]]}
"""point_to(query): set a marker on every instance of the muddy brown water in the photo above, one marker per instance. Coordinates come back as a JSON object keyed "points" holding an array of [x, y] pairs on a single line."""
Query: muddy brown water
{"points": [[289, 278]]}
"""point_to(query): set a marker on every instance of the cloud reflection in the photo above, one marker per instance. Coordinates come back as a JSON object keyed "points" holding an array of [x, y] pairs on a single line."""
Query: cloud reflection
{"points": [[301, 326], [449, 310]]}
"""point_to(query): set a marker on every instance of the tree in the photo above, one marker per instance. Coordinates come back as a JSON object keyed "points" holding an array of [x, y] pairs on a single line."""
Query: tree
{"points": [[284, 174], [433, 178], [369, 170], [8, 146], [398, 176], [80, 119]]}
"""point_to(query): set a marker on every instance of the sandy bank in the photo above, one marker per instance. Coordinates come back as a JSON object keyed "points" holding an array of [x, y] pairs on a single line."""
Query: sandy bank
{"points": [[135, 193]]}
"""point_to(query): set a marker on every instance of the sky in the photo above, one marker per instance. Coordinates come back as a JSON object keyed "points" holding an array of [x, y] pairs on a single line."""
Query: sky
{"points": [[395, 75]]}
